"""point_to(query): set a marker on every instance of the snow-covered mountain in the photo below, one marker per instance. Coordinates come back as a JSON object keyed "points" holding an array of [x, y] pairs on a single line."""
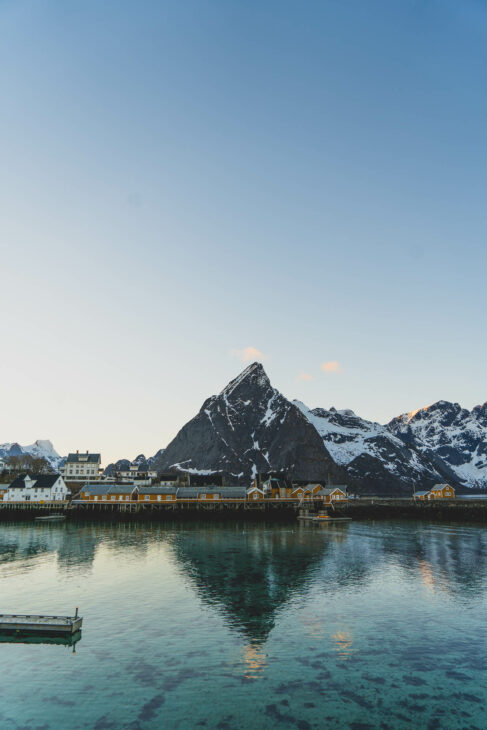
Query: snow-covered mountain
{"points": [[374, 457], [451, 435], [39, 449], [249, 428]]}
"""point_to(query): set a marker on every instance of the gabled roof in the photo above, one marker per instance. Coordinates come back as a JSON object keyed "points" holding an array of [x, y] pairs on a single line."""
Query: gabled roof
{"points": [[329, 490], [441, 486], [301, 489], [233, 492], [45, 481], [157, 490], [420, 494], [39, 481], [121, 488], [96, 489], [83, 458], [188, 492], [18, 482]]}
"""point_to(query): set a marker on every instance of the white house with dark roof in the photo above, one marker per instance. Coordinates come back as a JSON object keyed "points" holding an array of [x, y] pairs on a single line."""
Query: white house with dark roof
{"points": [[82, 467], [37, 488]]}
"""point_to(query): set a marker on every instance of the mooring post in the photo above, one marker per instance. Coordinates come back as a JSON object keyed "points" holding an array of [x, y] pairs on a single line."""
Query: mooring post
{"points": [[76, 612]]}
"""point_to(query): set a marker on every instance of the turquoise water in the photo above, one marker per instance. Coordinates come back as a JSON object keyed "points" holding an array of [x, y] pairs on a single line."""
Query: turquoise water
{"points": [[356, 625]]}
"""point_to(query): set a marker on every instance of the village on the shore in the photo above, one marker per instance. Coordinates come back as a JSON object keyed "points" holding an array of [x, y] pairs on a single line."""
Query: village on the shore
{"points": [[81, 480]]}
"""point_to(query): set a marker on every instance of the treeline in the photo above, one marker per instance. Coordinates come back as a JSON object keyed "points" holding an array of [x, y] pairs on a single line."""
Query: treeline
{"points": [[22, 463]]}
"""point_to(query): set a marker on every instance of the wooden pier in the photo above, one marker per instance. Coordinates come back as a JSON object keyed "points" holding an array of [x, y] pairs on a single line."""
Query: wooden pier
{"points": [[30, 624]]}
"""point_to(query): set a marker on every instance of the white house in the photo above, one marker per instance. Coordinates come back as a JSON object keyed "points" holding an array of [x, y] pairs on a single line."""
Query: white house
{"points": [[81, 467], [38, 488], [142, 477]]}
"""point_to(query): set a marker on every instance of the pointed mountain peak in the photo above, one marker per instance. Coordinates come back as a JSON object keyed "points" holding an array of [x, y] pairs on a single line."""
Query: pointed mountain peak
{"points": [[253, 374]]}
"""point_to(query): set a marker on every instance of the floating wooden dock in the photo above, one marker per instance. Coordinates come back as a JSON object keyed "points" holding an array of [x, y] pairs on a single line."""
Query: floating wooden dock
{"points": [[39, 625]]}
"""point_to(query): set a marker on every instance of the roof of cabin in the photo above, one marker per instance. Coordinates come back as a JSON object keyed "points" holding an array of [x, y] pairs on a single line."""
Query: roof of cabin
{"points": [[157, 490], [421, 494], [121, 488], [39, 481], [18, 482], [234, 492], [188, 492], [96, 489], [83, 458], [442, 486], [329, 490]]}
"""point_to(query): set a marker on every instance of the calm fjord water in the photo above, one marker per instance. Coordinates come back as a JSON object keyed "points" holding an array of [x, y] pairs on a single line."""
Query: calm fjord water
{"points": [[358, 625]]}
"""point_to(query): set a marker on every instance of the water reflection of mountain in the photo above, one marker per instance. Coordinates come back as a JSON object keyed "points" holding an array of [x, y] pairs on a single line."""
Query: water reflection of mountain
{"points": [[250, 572]]}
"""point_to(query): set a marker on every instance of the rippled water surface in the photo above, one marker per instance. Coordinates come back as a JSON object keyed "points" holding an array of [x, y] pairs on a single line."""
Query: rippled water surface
{"points": [[359, 625]]}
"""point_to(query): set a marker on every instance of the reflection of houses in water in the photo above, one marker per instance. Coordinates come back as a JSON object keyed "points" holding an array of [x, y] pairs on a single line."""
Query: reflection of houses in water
{"points": [[343, 642], [254, 660]]}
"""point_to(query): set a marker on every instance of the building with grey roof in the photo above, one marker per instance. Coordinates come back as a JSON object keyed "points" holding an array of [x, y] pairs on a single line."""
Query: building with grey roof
{"points": [[80, 467]]}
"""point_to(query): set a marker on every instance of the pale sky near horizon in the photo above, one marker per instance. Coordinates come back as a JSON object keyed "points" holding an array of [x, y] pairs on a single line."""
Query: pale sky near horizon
{"points": [[181, 181]]}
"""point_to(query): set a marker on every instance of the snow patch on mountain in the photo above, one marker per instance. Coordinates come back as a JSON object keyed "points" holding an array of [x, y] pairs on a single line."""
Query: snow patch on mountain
{"points": [[451, 433]]}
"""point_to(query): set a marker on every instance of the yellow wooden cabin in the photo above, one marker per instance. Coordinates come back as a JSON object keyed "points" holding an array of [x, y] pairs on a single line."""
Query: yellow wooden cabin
{"points": [[423, 496], [332, 494], [122, 493], [306, 492], [272, 488], [3, 490], [94, 492], [157, 494], [255, 493], [209, 494], [443, 491]]}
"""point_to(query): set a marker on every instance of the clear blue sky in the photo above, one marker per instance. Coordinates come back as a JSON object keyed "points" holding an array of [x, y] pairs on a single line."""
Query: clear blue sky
{"points": [[183, 180]]}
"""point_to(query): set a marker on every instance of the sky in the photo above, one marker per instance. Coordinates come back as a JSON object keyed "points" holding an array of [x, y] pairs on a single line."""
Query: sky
{"points": [[188, 186]]}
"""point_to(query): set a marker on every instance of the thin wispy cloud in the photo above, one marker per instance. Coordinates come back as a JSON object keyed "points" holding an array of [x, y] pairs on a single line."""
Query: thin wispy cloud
{"points": [[305, 376], [332, 366], [248, 354]]}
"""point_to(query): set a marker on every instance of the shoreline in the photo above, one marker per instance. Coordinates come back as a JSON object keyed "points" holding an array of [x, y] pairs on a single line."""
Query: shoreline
{"points": [[457, 510]]}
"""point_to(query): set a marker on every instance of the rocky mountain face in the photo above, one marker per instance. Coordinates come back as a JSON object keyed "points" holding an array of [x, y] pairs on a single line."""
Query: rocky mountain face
{"points": [[42, 449], [450, 435], [249, 428], [374, 458]]}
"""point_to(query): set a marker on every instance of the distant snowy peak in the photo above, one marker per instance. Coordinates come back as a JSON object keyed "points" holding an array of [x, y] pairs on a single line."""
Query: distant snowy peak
{"points": [[346, 435], [42, 448], [451, 433], [371, 454]]}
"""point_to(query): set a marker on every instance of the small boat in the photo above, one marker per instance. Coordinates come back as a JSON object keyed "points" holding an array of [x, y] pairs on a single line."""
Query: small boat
{"points": [[322, 517], [35, 625], [51, 517]]}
